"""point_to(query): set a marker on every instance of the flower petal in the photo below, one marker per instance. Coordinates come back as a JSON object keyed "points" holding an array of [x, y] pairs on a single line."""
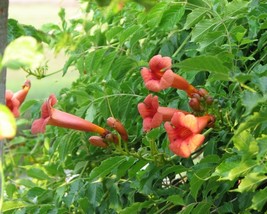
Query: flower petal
{"points": [[195, 141], [160, 64], [166, 80], [188, 121], [38, 126]]}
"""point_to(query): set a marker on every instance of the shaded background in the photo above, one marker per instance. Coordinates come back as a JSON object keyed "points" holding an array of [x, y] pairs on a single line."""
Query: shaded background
{"points": [[37, 13]]}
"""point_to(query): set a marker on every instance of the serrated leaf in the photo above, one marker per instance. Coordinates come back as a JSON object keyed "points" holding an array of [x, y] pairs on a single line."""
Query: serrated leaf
{"points": [[127, 33], [202, 28], [205, 63], [93, 60], [246, 143], [197, 180], [250, 100], [251, 181], [11, 205], [253, 121], [135, 208], [202, 207], [106, 167], [155, 14], [232, 168], [113, 33], [171, 17], [176, 200], [37, 173], [259, 200], [188, 209], [194, 17], [23, 52]]}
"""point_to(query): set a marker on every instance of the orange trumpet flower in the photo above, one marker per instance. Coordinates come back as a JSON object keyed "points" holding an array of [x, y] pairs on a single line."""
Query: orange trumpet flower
{"points": [[54, 117], [153, 114], [159, 76], [14, 100], [184, 132]]}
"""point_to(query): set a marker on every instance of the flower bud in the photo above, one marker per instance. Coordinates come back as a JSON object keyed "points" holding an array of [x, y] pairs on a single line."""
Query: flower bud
{"points": [[97, 141], [195, 104]]}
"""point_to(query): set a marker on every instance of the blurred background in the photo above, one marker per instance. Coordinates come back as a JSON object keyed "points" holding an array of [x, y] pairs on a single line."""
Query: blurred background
{"points": [[37, 13]]}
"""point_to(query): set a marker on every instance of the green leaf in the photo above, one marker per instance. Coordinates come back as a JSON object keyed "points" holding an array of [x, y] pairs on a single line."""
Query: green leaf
{"points": [[194, 17], [253, 121], [155, 14], [206, 63], [11, 205], [202, 207], [106, 167], [176, 200], [171, 17], [197, 180], [37, 173], [251, 182], [24, 52], [232, 168], [259, 200], [188, 209], [127, 33], [93, 60], [245, 143], [135, 208], [250, 100], [202, 28]]}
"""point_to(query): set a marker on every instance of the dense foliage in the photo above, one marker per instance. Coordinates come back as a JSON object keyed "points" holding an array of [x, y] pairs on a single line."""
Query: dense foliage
{"points": [[216, 45]]}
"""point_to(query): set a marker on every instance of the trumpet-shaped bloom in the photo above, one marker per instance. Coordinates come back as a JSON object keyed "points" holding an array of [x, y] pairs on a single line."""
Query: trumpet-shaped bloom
{"points": [[147, 110], [14, 100], [159, 76], [54, 117], [153, 114], [184, 133]]}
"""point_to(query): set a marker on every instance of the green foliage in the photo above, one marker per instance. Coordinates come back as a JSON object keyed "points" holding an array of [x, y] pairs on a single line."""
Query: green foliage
{"points": [[216, 45]]}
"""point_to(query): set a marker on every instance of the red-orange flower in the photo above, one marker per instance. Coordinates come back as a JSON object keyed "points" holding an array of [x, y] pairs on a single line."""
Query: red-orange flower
{"points": [[184, 132], [153, 114], [117, 125], [51, 116], [14, 100], [159, 76], [98, 141]]}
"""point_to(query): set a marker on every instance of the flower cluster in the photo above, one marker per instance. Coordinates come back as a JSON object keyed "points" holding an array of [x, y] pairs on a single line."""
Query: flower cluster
{"points": [[183, 128], [55, 117]]}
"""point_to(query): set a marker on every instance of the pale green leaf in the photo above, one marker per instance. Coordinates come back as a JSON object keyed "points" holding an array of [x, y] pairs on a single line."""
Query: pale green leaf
{"points": [[24, 52], [250, 100], [171, 17], [37, 173], [127, 33], [155, 14], [176, 199], [194, 17], [7, 123], [259, 200], [11, 205], [251, 182], [253, 121], [246, 143], [205, 63], [202, 28], [106, 167]]}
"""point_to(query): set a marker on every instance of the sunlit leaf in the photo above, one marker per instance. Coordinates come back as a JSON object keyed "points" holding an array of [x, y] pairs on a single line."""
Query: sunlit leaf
{"points": [[7, 123], [24, 52], [259, 200], [205, 63]]}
